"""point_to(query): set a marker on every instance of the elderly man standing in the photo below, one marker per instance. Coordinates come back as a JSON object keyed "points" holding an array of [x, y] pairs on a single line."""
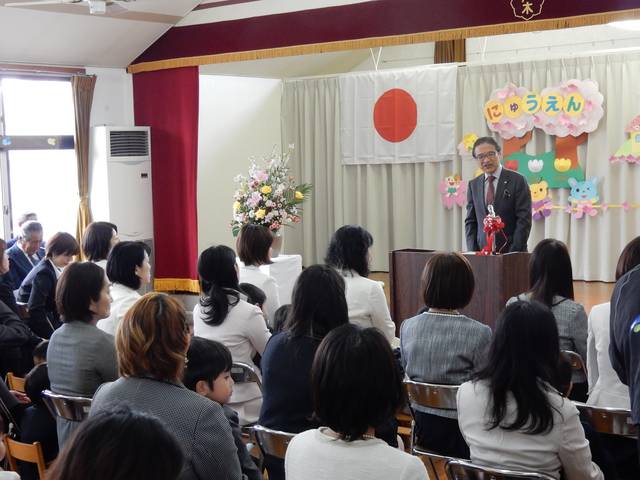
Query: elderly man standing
{"points": [[25, 254]]}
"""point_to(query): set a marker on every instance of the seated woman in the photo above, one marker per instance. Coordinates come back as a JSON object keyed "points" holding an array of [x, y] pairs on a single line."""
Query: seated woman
{"points": [[318, 306], [510, 415], [80, 357], [120, 444], [551, 283], [254, 245], [38, 289], [356, 387], [152, 343], [348, 252], [605, 387], [128, 269], [98, 240], [6, 287], [443, 346], [223, 316]]}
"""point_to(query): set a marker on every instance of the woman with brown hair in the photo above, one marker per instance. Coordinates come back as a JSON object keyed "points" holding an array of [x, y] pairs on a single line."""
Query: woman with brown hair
{"points": [[151, 344], [443, 346]]}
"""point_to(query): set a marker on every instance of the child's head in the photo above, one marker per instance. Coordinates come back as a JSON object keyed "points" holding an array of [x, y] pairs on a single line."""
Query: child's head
{"points": [[35, 382], [208, 369], [255, 295], [40, 352], [280, 317]]}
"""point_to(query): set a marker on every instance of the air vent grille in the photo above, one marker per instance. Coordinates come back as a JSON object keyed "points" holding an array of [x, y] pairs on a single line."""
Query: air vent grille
{"points": [[129, 143]]}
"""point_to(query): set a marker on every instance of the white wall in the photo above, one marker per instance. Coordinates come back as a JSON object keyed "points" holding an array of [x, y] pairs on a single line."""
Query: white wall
{"points": [[239, 119], [112, 97]]}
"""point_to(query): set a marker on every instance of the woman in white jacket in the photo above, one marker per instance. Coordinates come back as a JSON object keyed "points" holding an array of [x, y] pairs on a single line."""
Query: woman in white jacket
{"points": [[510, 415], [222, 315], [348, 252], [254, 246], [128, 269]]}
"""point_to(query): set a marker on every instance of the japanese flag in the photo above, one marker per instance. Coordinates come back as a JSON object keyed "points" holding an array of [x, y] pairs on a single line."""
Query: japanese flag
{"points": [[398, 116]]}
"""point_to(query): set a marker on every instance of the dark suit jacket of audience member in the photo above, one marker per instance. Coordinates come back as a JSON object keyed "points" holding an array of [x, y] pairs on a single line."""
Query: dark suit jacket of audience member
{"points": [[14, 334], [512, 203], [19, 265], [38, 291], [199, 424], [37, 425], [248, 466]]}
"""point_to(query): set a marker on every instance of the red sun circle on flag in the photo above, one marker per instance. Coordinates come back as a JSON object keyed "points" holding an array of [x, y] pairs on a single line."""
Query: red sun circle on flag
{"points": [[395, 115]]}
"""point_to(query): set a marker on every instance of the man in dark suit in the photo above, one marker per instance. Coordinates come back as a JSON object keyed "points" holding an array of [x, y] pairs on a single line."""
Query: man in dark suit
{"points": [[509, 194], [26, 253]]}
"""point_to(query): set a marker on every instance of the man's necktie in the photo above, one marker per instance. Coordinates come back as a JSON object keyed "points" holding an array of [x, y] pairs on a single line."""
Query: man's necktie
{"points": [[491, 192]]}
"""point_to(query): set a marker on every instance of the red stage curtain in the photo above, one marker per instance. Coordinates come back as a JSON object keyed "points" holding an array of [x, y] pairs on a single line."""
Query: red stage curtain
{"points": [[167, 101]]}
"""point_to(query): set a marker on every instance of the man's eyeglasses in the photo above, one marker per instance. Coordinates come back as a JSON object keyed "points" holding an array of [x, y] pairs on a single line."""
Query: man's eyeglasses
{"points": [[482, 156]]}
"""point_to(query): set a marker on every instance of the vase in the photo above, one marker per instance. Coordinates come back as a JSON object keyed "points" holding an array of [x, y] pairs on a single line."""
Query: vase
{"points": [[276, 245]]}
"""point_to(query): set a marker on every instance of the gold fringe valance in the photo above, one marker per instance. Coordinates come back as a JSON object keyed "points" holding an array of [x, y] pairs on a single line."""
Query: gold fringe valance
{"points": [[395, 40], [176, 285]]}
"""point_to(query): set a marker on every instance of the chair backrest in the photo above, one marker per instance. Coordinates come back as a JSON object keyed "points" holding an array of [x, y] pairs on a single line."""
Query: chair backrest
{"points": [[27, 452], [15, 383], [577, 363], [434, 463], [613, 421], [432, 395], [71, 408], [463, 470], [243, 373], [272, 442]]}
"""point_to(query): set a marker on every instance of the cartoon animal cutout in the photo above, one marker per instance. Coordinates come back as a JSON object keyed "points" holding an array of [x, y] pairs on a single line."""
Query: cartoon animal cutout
{"points": [[540, 200], [584, 196], [453, 191]]}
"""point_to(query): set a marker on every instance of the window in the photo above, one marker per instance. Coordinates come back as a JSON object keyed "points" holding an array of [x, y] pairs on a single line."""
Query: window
{"points": [[39, 168]]}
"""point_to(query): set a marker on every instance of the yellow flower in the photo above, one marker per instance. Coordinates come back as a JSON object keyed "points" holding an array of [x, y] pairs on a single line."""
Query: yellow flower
{"points": [[469, 139], [260, 213], [266, 189], [236, 206], [299, 196]]}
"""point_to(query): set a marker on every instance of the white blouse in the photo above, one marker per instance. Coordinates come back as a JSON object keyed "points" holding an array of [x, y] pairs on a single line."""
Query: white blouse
{"points": [[123, 299], [563, 447], [367, 304], [244, 332], [253, 275], [605, 387], [314, 454]]}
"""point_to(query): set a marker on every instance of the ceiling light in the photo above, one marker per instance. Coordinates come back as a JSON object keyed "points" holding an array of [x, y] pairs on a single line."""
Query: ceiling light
{"points": [[626, 25]]}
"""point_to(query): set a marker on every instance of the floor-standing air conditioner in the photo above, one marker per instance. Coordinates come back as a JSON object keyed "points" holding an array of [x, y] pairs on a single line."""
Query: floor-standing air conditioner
{"points": [[120, 173]]}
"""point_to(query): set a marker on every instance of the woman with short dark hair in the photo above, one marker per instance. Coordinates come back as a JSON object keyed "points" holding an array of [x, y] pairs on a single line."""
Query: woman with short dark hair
{"points": [[318, 306], [443, 346], [510, 415], [128, 269], [120, 444], [348, 252], [356, 387], [605, 387], [38, 289], [222, 315], [254, 246], [98, 240], [152, 343], [551, 283], [80, 357]]}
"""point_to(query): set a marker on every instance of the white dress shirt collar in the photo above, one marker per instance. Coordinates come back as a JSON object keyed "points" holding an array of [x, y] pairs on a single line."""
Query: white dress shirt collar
{"points": [[496, 174]]}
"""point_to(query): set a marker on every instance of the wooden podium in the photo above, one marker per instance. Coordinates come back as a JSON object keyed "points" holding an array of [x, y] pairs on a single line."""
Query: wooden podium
{"points": [[497, 278]]}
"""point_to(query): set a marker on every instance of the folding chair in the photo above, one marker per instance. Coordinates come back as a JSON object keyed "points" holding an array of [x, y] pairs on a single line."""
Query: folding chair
{"points": [[577, 363], [243, 373], [27, 452], [463, 470], [612, 421], [434, 463], [272, 442], [68, 407]]}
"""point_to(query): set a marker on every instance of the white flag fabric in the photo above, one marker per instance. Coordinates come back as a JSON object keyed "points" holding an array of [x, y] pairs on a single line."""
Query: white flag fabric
{"points": [[400, 116]]}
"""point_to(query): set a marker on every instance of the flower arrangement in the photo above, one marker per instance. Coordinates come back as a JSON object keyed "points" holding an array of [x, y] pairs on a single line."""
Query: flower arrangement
{"points": [[269, 196]]}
